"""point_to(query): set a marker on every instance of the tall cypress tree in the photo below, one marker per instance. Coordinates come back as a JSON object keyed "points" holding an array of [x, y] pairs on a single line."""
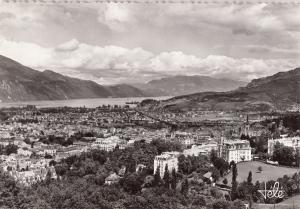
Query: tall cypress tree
{"points": [[234, 182], [166, 177], [249, 179], [174, 179], [157, 178]]}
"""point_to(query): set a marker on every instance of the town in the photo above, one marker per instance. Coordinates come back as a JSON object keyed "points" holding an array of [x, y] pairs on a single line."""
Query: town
{"points": [[36, 142]]}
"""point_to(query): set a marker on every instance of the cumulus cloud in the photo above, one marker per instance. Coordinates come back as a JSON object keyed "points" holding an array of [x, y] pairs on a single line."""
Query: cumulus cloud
{"points": [[115, 43], [111, 64]]}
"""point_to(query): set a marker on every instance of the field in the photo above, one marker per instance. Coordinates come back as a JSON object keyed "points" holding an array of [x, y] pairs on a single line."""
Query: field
{"points": [[277, 206], [269, 172], [291, 203], [293, 200]]}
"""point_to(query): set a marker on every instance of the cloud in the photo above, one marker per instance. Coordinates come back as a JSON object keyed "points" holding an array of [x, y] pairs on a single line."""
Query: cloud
{"points": [[110, 64], [190, 28], [68, 46], [19, 17], [116, 16], [112, 43], [29, 54], [220, 66]]}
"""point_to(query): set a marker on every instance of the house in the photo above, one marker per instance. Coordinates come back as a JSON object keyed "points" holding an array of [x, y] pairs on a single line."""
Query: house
{"points": [[208, 176], [184, 138], [122, 171], [24, 152], [140, 168], [112, 179]]}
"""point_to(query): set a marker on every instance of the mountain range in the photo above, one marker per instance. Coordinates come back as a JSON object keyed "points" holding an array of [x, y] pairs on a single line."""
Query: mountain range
{"points": [[181, 85], [21, 83], [279, 91]]}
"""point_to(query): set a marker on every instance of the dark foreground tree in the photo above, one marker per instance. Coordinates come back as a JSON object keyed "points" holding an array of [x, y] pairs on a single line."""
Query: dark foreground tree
{"points": [[166, 177]]}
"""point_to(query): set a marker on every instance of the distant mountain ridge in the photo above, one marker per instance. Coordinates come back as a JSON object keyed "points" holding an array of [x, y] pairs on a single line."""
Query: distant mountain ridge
{"points": [[182, 85], [279, 91], [21, 83]]}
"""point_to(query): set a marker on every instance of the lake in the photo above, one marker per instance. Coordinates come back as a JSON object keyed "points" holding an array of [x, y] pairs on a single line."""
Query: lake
{"points": [[91, 103]]}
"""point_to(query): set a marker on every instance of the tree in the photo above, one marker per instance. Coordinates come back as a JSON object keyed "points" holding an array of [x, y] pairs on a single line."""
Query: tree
{"points": [[234, 171], [215, 174], [27, 140], [297, 157], [166, 177], [221, 204], [157, 179], [283, 154], [184, 164], [48, 177], [52, 163], [296, 178], [11, 148], [234, 182], [234, 190], [256, 194], [174, 179], [259, 168], [237, 204], [216, 193], [185, 187], [48, 156], [249, 179], [61, 169], [199, 200], [132, 183], [213, 156], [221, 165]]}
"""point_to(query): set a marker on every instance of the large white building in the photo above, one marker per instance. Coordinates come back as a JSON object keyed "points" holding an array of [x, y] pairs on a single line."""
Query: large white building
{"points": [[108, 144], [166, 158], [293, 142], [203, 149], [235, 150]]}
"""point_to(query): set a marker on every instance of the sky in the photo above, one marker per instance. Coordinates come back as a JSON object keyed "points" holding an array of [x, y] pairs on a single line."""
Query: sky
{"points": [[112, 43]]}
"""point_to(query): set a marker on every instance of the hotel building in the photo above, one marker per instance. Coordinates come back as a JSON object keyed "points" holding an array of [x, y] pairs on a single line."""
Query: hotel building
{"points": [[235, 150], [166, 158]]}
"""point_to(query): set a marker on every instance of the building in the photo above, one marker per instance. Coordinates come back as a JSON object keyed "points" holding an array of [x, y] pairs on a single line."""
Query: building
{"points": [[293, 142], [166, 158], [183, 138], [112, 179], [203, 149], [235, 150], [245, 129], [108, 144]]}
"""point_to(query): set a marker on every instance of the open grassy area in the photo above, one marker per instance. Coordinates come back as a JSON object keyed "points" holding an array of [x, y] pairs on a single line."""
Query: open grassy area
{"points": [[293, 200], [277, 206], [291, 203], [269, 172]]}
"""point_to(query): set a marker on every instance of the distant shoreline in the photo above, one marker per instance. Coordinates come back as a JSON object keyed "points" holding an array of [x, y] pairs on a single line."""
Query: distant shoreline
{"points": [[91, 102]]}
